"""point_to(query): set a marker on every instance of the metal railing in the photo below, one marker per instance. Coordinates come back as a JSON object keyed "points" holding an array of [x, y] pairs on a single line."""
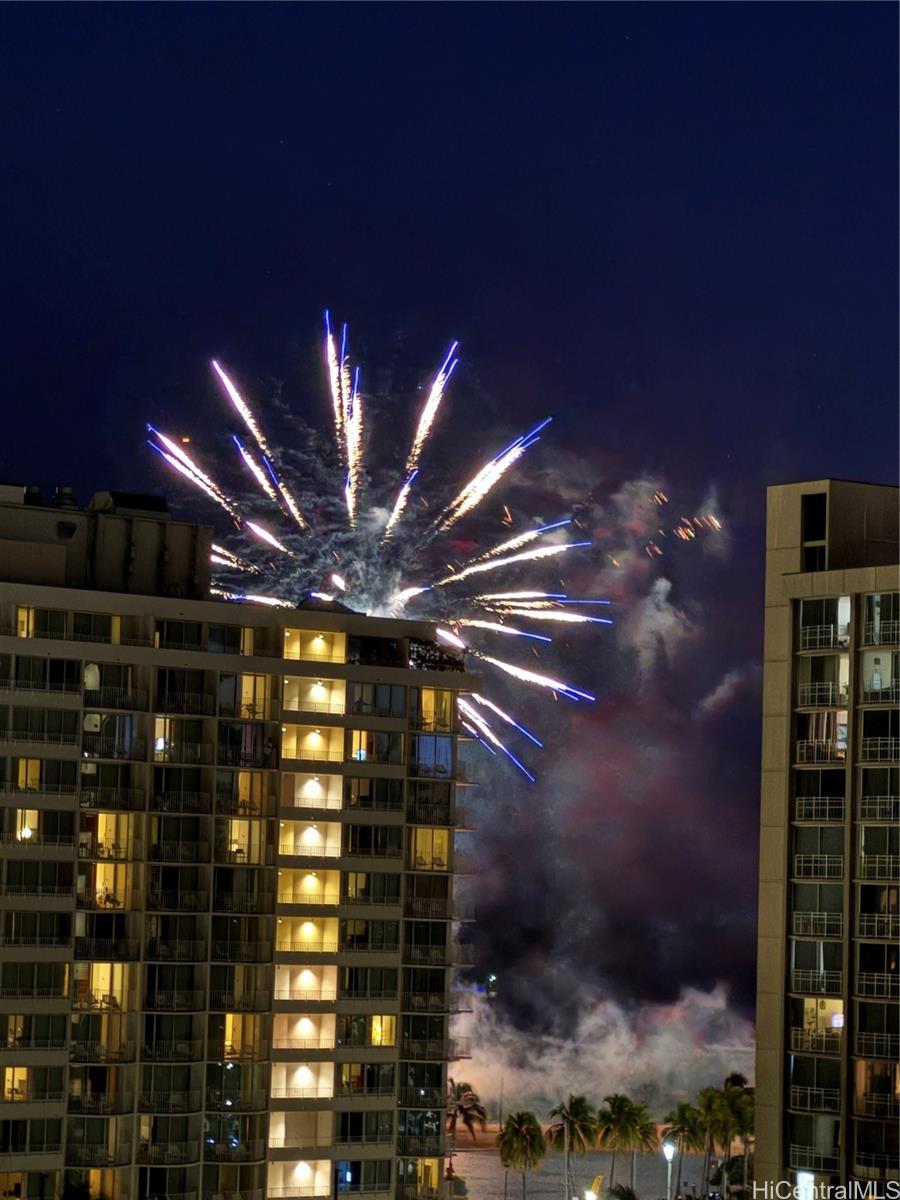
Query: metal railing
{"points": [[810, 1159], [878, 1045], [182, 850], [178, 901], [298, 850], [347, 947], [819, 808], [174, 1102], [201, 703], [37, 840], [93, 745], [289, 946], [47, 941], [325, 1042], [822, 695], [821, 983], [884, 1105], [182, 802], [879, 749], [880, 985], [104, 1104], [323, 1091], [816, 1099], [100, 1052], [238, 903], [879, 866], [421, 1097], [878, 925], [47, 737], [297, 753], [112, 798], [173, 1051], [107, 949], [192, 753], [316, 706], [821, 750], [176, 949], [823, 637], [20, 1151], [817, 1041], [881, 633], [879, 808], [89, 847], [433, 956], [115, 697], [242, 951], [293, 896], [176, 1000], [877, 693], [169, 1153], [249, 1151], [818, 866], [32, 1095], [423, 1146], [305, 994], [249, 1001], [818, 924], [33, 1043], [326, 803], [98, 1156], [38, 890], [251, 1101]]}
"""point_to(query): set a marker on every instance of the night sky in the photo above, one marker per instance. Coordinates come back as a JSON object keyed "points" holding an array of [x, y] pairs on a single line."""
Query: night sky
{"points": [[672, 226]]}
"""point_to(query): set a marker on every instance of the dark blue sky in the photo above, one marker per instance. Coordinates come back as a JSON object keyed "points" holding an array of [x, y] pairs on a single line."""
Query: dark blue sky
{"points": [[674, 226]]}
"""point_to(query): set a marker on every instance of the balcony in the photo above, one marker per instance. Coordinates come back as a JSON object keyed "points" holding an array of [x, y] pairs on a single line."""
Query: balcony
{"points": [[98, 1156], [26, 1045], [289, 946], [884, 1106], [225, 1152], [241, 1001], [818, 924], [112, 799], [107, 949], [46, 942], [818, 866], [436, 1049], [184, 850], [176, 1000], [190, 753], [26, 1095], [880, 866], [878, 925], [325, 1042], [817, 983], [105, 1002], [37, 840], [109, 851], [235, 902], [880, 985], [876, 1166], [296, 896], [816, 1041], [879, 808], [433, 1002], [420, 1147], [878, 1045], [428, 908], [181, 802], [824, 637], [873, 693], [200, 704], [100, 1052], [819, 808], [422, 1097], [44, 737], [115, 697], [235, 1102], [185, 1051], [460, 1048], [822, 695], [816, 1099], [178, 901], [332, 708], [31, 1150], [93, 745], [168, 1153], [807, 1158], [821, 751], [39, 891], [244, 1052], [879, 749], [307, 995], [881, 633], [176, 949], [428, 956], [104, 1104], [242, 952], [299, 850], [170, 1102]]}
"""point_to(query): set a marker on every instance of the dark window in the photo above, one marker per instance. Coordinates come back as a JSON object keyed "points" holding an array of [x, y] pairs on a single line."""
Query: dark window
{"points": [[812, 516], [814, 558]]}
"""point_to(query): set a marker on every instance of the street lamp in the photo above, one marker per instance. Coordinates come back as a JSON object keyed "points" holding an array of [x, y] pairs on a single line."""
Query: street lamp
{"points": [[668, 1149], [590, 1194]]}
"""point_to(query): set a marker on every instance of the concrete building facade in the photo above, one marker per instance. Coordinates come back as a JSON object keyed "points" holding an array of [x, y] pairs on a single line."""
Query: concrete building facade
{"points": [[828, 1001], [227, 920]]}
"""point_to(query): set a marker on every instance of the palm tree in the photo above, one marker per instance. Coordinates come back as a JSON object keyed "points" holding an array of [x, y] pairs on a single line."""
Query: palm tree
{"points": [[742, 1101], [464, 1105], [521, 1145], [708, 1102], [727, 1123], [684, 1128], [572, 1130], [624, 1125]]}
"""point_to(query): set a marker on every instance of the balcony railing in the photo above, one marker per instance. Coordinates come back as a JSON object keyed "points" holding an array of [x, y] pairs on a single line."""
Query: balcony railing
{"points": [[436, 1049], [331, 707], [324, 1042], [421, 1097], [32, 1095], [107, 949], [323, 1091], [200, 703], [880, 985], [109, 851], [350, 947], [824, 637], [876, 693], [881, 633], [878, 925], [819, 808], [101, 1052], [95, 746], [433, 956], [428, 907], [822, 695], [304, 752], [816, 1041], [420, 1146], [879, 866], [878, 1045], [296, 896], [870, 1166], [33, 1043], [250, 1101], [112, 799], [176, 1000], [249, 1151], [176, 949], [189, 1050], [236, 902], [168, 1153], [883, 1105], [305, 994], [57, 891], [37, 840], [818, 924], [243, 1052], [289, 946], [807, 1158], [821, 750], [171, 1102], [47, 737], [182, 802], [30, 1150], [98, 1156], [299, 850], [115, 697], [242, 951], [182, 850], [327, 803], [879, 749], [818, 866], [192, 753], [178, 901], [879, 808], [240, 1001], [817, 983], [816, 1099], [104, 1104], [104, 1002], [47, 941], [460, 1048]]}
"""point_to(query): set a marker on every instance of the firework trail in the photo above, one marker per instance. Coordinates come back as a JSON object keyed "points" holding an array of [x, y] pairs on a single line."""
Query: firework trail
{"points": [[352, 550]]}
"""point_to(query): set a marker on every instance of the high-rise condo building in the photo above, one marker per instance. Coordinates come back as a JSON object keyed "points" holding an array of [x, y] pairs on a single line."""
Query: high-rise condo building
{"points": [[227, 921], [828, 1001]]}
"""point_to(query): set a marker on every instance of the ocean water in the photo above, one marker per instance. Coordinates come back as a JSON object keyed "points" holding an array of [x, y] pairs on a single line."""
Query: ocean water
{"points": [[483, 1175]]}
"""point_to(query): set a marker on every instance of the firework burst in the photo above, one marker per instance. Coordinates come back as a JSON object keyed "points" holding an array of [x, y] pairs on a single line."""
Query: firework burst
{"points": [[317, 526]]}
